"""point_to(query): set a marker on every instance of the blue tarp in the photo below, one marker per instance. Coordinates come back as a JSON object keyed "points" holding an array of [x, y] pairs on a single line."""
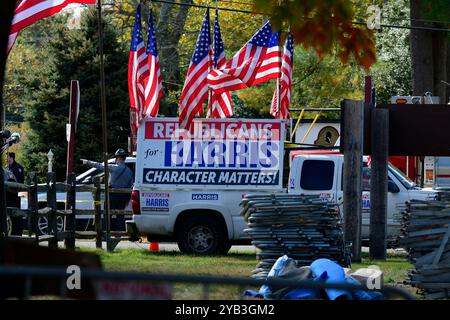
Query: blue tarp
{"points": [[322, 270]]}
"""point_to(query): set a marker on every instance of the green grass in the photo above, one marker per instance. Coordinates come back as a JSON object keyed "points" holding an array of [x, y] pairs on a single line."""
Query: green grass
{"points": [[235, 264], [232, 265], [395, 268]]}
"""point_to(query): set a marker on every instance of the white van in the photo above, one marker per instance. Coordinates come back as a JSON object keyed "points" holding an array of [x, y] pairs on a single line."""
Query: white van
{"points": [[189, 183]]}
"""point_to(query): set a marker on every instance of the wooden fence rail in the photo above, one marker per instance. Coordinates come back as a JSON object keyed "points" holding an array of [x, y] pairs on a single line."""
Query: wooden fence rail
{"points": [[51, 211]]}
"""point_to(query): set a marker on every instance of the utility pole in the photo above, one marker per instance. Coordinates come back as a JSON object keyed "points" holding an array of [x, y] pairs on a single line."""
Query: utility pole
{"points": [[379, 183], [352, 146], [379, 139], [106, 207]]}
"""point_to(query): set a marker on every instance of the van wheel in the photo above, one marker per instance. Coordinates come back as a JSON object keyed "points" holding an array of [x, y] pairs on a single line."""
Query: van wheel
{"points": [[43, 225], [201, 235]]}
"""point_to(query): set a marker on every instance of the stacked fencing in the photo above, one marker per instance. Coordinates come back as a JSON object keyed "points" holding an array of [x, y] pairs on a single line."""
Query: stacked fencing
{"points": [[305, 228], [425, 236]]}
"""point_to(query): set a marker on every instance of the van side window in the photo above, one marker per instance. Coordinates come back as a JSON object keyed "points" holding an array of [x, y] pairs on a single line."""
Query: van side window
{"points": [[317, 175], [366, 174], [366, 178]]}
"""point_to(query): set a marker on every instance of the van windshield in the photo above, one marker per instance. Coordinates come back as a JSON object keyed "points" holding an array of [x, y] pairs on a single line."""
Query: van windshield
{"points": [[405, 181]]}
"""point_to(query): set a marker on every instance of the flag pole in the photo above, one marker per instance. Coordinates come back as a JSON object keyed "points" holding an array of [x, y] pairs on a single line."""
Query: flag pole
{"points": [[104, 129], [279, 83], [209, 111]]}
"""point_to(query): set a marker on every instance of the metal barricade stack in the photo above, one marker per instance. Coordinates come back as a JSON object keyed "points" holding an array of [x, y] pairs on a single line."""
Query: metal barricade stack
{"points": [[305, 228], [425, 235]]}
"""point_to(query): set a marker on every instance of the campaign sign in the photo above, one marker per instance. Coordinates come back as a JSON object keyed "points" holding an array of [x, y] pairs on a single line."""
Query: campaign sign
{"points": [[152, 201], [205, 196], [215, 152], [365, 201], [132, 290]]}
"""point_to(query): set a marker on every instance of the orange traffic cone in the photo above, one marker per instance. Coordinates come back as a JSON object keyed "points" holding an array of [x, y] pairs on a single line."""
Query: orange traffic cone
{"points": [[154, 247]]}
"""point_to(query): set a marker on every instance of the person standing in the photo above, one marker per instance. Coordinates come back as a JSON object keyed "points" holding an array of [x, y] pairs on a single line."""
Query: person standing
{"points": [[120, 177], [15, 167], [14, 173]]}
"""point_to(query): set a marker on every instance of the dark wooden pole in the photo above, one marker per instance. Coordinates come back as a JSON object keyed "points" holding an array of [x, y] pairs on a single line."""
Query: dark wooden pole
{"points": [[52, 228], [104, 131], [379, 183], [73, 111], [353, 113], [98, 213], [33, 204], [70, 162], [71, 205]]}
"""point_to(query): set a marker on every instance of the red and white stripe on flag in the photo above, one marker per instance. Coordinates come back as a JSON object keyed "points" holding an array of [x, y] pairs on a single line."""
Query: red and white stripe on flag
{"points": [[195, 89], [283, 89], [220, 103], [138, 72], [153, 85], [28, 12], [256, 62]]}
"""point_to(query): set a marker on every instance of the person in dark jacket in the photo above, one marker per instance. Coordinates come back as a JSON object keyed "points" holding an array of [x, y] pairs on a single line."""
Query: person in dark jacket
{"points": [[15, 167], [14, 173]]}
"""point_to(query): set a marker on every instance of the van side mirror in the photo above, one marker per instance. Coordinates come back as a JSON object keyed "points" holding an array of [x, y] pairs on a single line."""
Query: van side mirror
{"points": [[392, 187]]}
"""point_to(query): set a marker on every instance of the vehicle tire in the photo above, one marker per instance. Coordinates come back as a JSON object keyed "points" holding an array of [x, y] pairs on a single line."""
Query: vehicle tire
{"points": [[42, 225], [201, 235]]}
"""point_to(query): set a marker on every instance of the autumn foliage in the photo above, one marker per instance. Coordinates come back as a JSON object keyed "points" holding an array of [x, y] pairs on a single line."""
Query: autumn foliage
{"points": [[323, 25]]}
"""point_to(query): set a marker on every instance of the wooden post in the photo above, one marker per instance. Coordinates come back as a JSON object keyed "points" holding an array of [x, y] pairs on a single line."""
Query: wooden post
{"points": [[353, 112], [73, 115], [379, 183], [70, 205], [33, 204], [98, 214], [51, 203]]}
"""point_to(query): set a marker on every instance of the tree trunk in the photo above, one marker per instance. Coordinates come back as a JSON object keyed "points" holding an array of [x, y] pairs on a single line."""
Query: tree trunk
{"points": [[440, 43], [429, 55], [170, 27], [421, 53]]}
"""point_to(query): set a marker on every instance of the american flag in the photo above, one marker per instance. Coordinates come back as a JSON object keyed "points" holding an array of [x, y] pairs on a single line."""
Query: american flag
{"points": [[29, 11], [138, 73], [220, 104], [195, 89], [153, 89], [284, 88], [256, 62]]}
